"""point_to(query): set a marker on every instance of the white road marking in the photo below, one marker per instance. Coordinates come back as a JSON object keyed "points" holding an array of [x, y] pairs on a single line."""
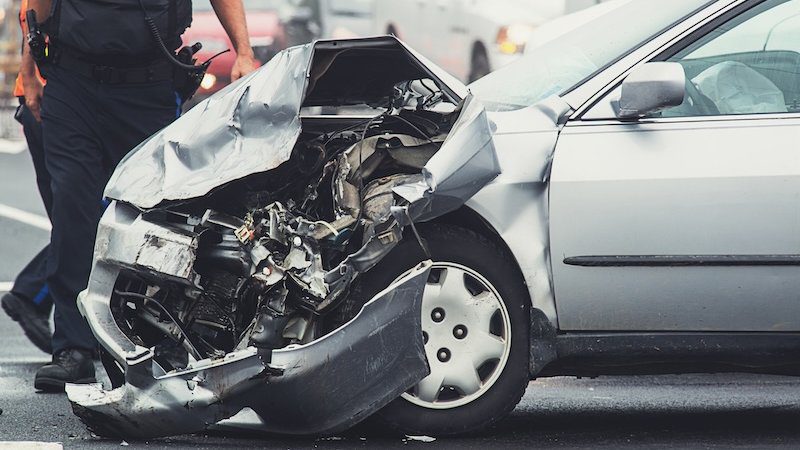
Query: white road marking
{"points": [[31, 445], [12, 147], [11, 360], [5, 286], [34, 220]]}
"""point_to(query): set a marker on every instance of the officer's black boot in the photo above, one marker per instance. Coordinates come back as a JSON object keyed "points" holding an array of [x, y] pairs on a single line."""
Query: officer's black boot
{"points": [[34, 320], [68, 366]]}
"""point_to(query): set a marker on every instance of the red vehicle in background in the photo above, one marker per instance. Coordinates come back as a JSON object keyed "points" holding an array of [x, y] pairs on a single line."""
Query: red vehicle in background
{"points": [[267, 36]]}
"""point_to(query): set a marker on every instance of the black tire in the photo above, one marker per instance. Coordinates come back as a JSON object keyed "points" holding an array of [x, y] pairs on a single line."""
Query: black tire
{"points": [[479, 66], [458, 245]]}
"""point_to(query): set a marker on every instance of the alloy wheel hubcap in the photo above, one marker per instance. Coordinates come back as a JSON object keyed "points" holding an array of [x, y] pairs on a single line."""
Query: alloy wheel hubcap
{"points": [[467, 335]]}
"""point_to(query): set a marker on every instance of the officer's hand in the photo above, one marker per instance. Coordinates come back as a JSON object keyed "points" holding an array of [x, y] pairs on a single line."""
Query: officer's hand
{"points": [[243, 65], [33, 90]]}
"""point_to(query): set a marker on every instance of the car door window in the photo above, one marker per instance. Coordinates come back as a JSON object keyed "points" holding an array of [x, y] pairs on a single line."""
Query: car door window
{"points": [[747, 65]]}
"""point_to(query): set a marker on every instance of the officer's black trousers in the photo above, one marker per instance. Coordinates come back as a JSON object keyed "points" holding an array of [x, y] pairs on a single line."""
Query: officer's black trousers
{"points": [[88, 127], [31, 281]]}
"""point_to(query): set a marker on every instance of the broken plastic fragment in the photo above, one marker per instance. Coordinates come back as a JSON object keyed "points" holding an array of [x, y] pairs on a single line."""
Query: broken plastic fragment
{"points": [[420, 438]]}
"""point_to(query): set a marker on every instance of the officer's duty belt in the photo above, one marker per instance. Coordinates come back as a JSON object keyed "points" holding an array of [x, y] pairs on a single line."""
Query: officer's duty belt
{"points": [[151, 72]]}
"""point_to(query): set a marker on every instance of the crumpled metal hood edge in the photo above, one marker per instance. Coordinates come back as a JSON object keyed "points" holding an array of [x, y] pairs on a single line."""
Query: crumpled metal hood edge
{"points": [[252, 125]]}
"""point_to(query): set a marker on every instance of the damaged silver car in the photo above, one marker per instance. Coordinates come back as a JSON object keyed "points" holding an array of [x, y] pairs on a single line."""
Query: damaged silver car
{"points": [[231, 270], [349, 231]]}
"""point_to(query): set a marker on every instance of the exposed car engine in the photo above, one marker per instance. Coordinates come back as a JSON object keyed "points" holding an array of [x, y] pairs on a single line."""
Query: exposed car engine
{"points": [[278, 251]]}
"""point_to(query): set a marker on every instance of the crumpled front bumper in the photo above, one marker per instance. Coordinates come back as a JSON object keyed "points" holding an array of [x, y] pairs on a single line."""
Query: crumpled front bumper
{"points": [[321, 387]]}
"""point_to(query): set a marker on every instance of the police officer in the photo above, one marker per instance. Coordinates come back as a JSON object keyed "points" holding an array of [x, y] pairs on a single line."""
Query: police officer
{"points": [[111, 82], [29, 302]]}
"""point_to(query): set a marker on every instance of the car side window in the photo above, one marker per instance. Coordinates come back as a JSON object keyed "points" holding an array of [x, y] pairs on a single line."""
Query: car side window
{"points": [[748, 65]]}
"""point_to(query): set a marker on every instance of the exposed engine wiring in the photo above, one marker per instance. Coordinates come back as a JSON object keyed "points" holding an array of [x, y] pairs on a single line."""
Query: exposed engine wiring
{"points": [[347, 128], [422, 133]]}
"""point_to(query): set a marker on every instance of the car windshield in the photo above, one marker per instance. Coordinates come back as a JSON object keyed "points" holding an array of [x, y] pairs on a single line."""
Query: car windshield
{"points": [[562, 64], [249, 5]]}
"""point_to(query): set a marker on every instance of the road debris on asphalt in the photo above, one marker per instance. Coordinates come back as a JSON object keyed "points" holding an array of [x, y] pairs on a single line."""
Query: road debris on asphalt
{"points": [[419, 438]]}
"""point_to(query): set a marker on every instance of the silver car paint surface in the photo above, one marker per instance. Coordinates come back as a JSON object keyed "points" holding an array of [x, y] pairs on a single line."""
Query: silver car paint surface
{"points": [[677, 187], [515, 204], [715, 169], [465, 163], [522, 216]]}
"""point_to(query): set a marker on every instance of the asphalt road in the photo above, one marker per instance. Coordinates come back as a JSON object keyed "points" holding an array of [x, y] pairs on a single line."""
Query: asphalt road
{"points": [[680, 411]]}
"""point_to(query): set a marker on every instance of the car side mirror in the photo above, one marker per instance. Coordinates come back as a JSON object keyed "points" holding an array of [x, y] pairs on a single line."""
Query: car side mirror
{"points": [[650, 88]]}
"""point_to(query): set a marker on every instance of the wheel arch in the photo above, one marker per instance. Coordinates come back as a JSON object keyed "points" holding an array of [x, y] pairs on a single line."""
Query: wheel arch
{"points": [[517, 213], [467, 217], [488, 224], [516, 210], [543, 329]]}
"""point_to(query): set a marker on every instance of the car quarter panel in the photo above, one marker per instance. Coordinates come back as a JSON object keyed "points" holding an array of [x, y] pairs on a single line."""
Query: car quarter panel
{"points": [[515, 204]]}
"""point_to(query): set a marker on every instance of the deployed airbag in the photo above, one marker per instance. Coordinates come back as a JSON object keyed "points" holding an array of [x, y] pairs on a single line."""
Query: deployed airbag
{"points": [[738, 89]]}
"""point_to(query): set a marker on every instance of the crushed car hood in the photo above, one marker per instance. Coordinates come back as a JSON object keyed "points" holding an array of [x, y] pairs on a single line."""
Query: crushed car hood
{"points": [[252, 125]]}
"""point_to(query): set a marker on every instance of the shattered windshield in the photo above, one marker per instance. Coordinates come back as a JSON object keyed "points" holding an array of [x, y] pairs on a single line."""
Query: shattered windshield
{"points": [[564, 63]]}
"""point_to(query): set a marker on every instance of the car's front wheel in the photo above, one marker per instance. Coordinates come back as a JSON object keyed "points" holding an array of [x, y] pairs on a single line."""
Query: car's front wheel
{"points": [[475, 321]]}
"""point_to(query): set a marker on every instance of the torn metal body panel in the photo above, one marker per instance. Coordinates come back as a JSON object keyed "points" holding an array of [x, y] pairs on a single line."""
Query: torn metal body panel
{"points": [[257, 120], [237, 233], [373, 359], [465, 163]]}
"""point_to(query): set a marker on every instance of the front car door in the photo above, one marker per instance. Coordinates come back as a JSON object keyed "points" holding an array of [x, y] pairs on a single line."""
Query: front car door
{"points": [[689, 221]]}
